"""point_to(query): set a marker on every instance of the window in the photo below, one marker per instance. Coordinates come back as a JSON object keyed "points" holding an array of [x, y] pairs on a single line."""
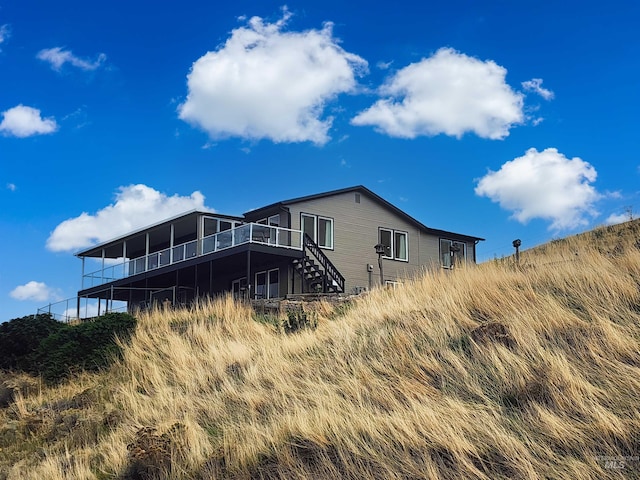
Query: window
{"points": [[261, 285], [395, 244], [386, 240], [400, 246], [273, 288], [238, 287], [320, 229], [212, 225], [452, 252], [325, 232], [268, 284], [309, 225]]}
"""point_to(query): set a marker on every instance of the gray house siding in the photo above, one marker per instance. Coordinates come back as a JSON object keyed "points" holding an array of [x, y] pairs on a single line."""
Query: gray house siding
{"points": [[357, 215], [356, 232]]}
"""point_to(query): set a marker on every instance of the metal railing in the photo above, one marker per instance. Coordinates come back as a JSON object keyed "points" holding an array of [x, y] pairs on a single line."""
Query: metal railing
{"points": [[243, 234], [330, 269], [79, 308]]}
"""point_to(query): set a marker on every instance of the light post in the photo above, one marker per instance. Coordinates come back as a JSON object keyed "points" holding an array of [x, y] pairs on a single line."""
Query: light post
{"points": [[516, 244], [380, 248]]}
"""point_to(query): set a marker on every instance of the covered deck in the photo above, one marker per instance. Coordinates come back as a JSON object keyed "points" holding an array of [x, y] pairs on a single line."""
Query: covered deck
{"points": [[173, 243], [193, 255]]}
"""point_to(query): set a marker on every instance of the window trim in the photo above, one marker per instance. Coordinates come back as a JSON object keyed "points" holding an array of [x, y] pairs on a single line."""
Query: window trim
{"points": [[242, 284], [393, 243], [266, 285], [406, 245], [316, 228], [451, 242], [218, 221], [390, 230]]}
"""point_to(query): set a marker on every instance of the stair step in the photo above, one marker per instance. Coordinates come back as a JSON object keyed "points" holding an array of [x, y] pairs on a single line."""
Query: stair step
{"points": [[312, 273]]}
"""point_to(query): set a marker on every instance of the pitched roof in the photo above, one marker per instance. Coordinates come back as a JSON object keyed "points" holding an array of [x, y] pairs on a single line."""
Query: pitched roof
{"points": [[377, 198], [93, 250]]}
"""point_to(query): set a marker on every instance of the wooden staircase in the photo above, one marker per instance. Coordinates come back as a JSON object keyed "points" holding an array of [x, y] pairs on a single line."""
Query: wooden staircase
{"points": [[319, 274]]}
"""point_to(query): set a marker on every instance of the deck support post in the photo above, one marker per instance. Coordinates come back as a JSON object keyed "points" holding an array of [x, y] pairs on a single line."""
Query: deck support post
{"points": [[249, 274]]}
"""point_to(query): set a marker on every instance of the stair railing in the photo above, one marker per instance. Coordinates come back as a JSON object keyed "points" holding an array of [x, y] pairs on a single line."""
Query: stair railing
{"points": [[330, 270]]}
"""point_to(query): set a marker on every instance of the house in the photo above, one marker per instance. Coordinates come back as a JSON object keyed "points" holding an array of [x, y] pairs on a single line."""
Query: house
{"points": [[317, 243]]}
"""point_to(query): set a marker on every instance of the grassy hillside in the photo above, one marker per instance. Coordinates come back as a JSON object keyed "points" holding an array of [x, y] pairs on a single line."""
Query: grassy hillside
{"points": [[485, 372]]}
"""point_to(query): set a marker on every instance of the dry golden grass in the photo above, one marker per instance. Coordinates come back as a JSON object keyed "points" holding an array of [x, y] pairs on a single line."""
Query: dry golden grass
{"points": [[490, 372]]}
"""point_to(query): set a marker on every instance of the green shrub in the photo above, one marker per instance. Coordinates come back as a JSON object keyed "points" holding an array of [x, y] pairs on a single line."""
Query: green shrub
{"points": [[298, 320], [40, 345], [20, 337], [86, 346]]}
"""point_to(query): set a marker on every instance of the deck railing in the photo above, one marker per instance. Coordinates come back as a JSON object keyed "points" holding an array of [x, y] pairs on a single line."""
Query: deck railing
{"points": [[243, 234], [79, 308]]}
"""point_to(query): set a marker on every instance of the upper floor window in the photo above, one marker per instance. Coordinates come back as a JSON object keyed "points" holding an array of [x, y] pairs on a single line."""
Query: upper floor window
{"points": [[213, 225], [272, 221], [452, 252], [395, 244], [320, 229]]}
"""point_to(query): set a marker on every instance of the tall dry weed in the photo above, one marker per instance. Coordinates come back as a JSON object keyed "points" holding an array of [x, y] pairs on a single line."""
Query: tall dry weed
{"points": [[497, 371]]}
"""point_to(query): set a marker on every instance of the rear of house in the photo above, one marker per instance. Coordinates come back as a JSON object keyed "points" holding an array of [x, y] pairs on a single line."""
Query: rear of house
{"points": [[318, 243], [347, 224]]}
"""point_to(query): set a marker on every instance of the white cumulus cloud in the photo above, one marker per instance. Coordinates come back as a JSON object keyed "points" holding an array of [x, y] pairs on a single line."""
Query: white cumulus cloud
{"points": [[535, 85], [58, 56], [22, 121], [269, 83], [135, 206], [616, 218], [37, 291], [449, 93], [544, 185], [4, 33]]}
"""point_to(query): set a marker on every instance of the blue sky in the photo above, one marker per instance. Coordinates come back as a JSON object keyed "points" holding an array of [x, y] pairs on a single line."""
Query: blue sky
{"points": [[500, 119]]}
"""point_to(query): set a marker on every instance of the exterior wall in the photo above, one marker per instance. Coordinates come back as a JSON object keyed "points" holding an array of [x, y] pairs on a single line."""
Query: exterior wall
{"points": [[356, 233], [356, 225]]}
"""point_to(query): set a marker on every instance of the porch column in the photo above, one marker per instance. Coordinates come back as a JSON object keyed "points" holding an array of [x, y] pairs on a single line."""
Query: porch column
{"points": [[125, 272], [82, 280], [146, 249], [210, 278], [102, 270], [111, 300], [199, 222], [171, 243], [249, 274]]}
